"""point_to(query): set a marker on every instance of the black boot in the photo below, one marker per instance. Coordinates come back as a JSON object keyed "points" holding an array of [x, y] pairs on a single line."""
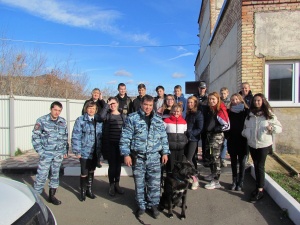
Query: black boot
{"points": [[118, 189], [240, 185], [90, 179], [82, 188], [52, 198], [234, 182], [111, 190]]}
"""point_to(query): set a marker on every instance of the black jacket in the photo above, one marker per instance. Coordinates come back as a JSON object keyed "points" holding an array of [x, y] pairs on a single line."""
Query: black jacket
{"points": [[105, 116], [236, 143], [194, 125], [125, 104]]}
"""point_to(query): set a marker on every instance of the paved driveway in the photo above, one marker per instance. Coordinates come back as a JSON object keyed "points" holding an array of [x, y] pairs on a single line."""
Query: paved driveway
{"points": [[208, 207]]}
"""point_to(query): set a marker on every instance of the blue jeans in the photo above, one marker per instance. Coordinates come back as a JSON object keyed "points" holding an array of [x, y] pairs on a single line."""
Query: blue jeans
{"points": [[224, 149]]}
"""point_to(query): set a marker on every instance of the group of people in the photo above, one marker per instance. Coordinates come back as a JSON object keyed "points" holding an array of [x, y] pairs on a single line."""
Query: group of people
{"points": [[152, 131]]}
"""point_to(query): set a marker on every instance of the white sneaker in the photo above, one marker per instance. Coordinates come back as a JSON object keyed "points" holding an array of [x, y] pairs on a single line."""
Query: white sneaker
{"points": [[212, 185], [209, 177], [195, 185]]}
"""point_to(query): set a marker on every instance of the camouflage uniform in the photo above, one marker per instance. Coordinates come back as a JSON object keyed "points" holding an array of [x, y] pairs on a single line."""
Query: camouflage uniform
{"points": [[83, 137], [145, 145], [50, 140]]}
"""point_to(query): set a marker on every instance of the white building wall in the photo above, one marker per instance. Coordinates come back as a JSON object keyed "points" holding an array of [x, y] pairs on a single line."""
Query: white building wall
{"points": [[205, 33], [223, 72]]}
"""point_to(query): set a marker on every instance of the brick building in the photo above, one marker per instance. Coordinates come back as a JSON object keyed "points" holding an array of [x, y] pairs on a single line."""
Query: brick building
{"points": [[256, 42]]}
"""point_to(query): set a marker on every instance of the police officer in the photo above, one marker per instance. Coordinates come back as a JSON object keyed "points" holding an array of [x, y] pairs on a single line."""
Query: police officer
{"points": [[86, 145], [50, 140], [143, 143]]}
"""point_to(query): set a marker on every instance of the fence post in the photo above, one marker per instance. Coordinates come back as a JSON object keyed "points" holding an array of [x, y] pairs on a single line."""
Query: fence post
{"points": [[12, 125], [68, 118]]}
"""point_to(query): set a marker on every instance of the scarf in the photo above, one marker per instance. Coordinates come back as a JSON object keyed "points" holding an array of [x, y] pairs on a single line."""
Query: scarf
{"points": [[237, 108]]}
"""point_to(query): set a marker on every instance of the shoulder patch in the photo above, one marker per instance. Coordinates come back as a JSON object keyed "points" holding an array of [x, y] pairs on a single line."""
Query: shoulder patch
{"points": [[37, 126]]}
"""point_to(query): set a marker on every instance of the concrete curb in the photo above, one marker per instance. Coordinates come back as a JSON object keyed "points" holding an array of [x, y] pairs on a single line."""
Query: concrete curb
{"points": [[281, 197], [103, 171]]}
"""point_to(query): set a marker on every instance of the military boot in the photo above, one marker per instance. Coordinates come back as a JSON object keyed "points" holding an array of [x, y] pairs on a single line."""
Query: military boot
{"points": [[52, 198]]}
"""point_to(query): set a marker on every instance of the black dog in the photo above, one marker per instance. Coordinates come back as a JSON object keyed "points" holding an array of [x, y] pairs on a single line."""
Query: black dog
{"points": [[175, 188]]}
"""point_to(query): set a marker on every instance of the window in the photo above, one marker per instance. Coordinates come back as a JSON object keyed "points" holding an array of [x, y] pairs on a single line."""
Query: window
{"points": [[282, 83]]}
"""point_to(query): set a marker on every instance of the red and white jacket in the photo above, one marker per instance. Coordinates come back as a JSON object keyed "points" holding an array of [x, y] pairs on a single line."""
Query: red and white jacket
{"points": [[176, 128]]}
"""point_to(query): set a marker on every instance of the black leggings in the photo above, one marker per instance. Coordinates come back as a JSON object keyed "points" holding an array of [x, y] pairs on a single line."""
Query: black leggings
{"points": [[241, 158], [190, 151], [259, 157], [114, 162]]}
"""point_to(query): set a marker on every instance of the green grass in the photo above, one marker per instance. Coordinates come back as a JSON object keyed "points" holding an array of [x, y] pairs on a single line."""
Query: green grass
{"points": [[290, 184]]}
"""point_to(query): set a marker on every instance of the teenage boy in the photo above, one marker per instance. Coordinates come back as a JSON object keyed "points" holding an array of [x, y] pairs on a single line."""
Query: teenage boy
{"points": [[137, 102], [125, 102], [180, 98]]}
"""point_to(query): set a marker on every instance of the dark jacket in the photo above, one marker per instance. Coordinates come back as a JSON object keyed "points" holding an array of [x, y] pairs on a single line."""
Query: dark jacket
{"points": [[236, 143], [99, 103], [136, 104], [105, 117], [248, 98], [202, 101], [125, 104], [217, 122], [194, 125]]}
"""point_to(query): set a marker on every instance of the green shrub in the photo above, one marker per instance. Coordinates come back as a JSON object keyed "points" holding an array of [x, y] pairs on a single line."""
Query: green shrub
{"points": [[18, 152]]}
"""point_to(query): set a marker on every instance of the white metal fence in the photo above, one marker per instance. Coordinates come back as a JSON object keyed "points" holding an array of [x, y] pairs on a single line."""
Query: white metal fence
{"points": [[19, 114]]}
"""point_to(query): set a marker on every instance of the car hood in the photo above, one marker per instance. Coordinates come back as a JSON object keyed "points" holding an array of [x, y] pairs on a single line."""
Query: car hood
{"points": [[16, 199]]}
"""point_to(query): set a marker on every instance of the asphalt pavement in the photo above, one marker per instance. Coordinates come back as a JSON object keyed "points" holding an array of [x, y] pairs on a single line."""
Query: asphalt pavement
{"points": [[207, 207]]}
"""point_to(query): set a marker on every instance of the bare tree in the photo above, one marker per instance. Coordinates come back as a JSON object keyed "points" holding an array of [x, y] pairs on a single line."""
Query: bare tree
{"points": [[25, 73]]}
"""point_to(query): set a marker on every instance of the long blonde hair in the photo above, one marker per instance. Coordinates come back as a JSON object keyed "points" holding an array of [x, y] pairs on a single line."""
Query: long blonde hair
{"points": [[239, 98]]}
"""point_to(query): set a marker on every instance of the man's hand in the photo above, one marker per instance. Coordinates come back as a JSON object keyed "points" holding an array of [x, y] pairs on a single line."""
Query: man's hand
{"points": [[78, 156], [164, 159], [128, 161], [65, 156]]}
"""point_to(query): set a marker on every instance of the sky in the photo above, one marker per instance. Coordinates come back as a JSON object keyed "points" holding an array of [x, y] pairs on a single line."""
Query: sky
{"points": [[152, 42]]}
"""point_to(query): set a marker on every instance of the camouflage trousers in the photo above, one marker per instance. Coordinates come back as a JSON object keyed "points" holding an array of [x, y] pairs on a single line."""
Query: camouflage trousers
{"points": [[49, 161], [214, 143], [147, 174]]}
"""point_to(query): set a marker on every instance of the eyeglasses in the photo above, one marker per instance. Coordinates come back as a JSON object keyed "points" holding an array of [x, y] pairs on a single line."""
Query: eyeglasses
{"points": [[170, 99]]}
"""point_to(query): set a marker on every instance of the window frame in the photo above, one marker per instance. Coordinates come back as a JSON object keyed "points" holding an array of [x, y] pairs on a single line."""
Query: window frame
{"points": [[295, 83]]}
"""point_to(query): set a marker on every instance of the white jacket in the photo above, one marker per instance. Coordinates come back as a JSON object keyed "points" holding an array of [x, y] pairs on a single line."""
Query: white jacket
{"points": [[256, 132]]}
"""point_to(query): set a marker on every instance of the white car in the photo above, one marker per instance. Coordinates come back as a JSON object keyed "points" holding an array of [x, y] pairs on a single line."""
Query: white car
{"points": [[21, 205]]}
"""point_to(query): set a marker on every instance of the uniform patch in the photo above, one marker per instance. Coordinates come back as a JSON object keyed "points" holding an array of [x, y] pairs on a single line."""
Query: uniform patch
{"points": [[37, 126]]}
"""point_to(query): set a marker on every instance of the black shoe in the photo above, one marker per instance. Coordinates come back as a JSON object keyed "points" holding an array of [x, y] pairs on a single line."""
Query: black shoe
{"points": [[254, 192], [257, 197], [140, 212], [111, 190], [239, 186], [155, 212], [118, 189]]}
